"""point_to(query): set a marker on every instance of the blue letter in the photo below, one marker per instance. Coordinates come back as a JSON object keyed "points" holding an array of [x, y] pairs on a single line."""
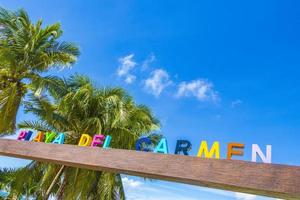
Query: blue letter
{"points": [[107, 142], [28, 136], [139, 144], [60, 139], [162, 146], [184, 146]]}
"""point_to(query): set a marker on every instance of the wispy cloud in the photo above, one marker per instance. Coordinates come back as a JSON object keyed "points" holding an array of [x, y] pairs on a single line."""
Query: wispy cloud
{"points": [[147, 190], [139, 189], [157, 82], [243, 196], [236, 103], [159, 79], [201, 89], [151, 58], [129, 182], [127, 64]]}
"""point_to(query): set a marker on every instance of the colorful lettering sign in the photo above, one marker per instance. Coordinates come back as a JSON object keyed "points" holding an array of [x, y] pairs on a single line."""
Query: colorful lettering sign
{"points": [[146, 144]]}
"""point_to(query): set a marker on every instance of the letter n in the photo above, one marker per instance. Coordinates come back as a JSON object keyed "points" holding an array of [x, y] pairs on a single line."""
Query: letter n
{"points": [[257, 151]]}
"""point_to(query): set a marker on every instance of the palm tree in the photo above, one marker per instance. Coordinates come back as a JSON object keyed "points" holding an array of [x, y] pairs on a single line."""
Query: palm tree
{"points": [[27, 50], [78, 107], [21, 182], [5, 176]]}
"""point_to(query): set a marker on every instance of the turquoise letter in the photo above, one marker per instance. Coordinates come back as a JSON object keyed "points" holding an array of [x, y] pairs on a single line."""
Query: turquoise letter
{"points": [[60, 139], [162, 146], [107, 142]]}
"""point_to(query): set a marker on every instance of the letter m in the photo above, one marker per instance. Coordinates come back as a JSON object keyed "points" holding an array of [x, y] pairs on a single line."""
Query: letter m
{"points": [[214, 151]]}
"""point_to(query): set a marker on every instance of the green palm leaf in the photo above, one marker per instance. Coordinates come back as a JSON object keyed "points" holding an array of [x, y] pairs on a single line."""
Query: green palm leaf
{"points": [[27, 50], [85, 109]]}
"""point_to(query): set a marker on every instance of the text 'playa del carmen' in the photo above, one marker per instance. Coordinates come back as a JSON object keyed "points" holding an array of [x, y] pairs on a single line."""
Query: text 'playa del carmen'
{"points": [[144, 144]]}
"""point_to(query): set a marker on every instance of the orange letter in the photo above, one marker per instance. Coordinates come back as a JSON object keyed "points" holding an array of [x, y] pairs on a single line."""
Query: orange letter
{"points": [[231, 151], [39, 137]]}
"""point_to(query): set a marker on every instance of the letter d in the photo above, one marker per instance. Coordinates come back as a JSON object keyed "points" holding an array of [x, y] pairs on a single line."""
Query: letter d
{"points": [[85, 140]]}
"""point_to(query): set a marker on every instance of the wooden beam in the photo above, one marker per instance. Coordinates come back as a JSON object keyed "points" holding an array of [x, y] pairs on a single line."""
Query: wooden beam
{"points": [[272, 180]]}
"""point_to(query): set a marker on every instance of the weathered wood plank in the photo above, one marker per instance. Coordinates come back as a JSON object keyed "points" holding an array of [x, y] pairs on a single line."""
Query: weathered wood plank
{"points": [[279, 181]]}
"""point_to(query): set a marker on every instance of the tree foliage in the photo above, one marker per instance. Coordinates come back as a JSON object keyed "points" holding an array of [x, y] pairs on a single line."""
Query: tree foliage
{"points": [[27, 50], [76, 107]]}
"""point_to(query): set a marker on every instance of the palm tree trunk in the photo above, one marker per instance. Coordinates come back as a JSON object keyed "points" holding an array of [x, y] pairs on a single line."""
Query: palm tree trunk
{"points": [[60, 192], [121, 191], [53, 183]]}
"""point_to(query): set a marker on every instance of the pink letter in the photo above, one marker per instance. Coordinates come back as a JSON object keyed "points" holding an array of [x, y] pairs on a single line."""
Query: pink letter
{"points": [[98, 139], [22, 135]]}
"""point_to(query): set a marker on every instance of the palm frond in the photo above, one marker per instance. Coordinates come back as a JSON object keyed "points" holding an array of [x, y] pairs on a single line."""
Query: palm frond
{"points": [[27, 50], [10, 100], [85, 108], [36, 125]]}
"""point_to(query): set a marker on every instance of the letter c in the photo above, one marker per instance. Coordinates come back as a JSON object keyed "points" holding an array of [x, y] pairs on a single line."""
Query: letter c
{"points": [[139, 144]]}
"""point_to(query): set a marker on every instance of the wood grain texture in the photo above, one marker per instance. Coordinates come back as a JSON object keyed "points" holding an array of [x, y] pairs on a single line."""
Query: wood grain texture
{"points": [[272, 180]]}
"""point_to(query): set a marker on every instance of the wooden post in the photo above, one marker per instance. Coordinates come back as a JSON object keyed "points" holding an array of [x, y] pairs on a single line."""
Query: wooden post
{"points": [[280, 181]]}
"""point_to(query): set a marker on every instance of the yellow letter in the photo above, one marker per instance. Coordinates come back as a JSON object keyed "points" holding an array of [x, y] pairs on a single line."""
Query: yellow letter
{"points": [[215, 150], [85, 140]]}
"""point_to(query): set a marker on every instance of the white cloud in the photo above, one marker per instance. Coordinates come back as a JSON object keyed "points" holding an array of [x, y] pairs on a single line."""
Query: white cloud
{"points": [[130, 78], [201, 89], [151, 58], [157, 82], [236, 103], [138, 189], [243, 196], [126, 66], [131, 183]]}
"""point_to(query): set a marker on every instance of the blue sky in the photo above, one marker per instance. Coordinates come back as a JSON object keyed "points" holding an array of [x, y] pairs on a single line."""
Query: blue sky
{"points": [[210, 70]]}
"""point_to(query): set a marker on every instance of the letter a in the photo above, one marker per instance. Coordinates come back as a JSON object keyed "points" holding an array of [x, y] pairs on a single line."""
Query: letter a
{"points": [[60, 139], [162, 146], [39, 137], [215, 150]]}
